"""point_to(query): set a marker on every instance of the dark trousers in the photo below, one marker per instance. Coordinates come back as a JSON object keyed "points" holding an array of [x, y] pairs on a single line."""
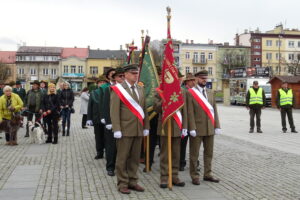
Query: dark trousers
{"points": [[30, 117], [153, 138], [66, 119], [99, 138], [183, 151], [84, 120], [289, 113], [255, 112], [110, 150], [52, 124]]}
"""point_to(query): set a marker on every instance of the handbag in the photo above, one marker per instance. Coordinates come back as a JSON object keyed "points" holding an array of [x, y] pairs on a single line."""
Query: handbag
{"points": [[72, 110]]}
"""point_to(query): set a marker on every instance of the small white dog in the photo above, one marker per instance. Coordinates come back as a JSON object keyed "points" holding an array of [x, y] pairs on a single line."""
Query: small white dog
{"points": [[36, 133]]}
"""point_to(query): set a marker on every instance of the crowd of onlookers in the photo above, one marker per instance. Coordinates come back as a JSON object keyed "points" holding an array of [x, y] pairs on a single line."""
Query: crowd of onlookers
{"points": [[43, 103]]}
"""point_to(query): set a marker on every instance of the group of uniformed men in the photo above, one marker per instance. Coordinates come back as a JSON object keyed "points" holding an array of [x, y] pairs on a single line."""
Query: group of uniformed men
{"points": [[118, 112], [256, 101]]}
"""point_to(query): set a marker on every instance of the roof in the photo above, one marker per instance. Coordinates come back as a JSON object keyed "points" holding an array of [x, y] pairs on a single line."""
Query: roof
{"points": [[201, 44], [8, 57], [288, 79], [106, 54], [39, 50], [75, 52]]}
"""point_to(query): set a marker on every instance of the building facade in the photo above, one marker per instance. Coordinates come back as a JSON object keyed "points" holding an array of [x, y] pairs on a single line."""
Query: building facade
{"points": [[7, 66], [196, 57], [73, 67], [99, 61], [37, 63]]}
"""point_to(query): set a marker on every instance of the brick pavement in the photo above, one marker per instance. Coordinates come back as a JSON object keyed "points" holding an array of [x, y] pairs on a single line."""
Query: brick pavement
{"points": [[247, 169]]}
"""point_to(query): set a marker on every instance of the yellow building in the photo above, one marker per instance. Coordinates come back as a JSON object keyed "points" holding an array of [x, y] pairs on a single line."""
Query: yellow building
{"points": [[197, 57], [99, 61]]}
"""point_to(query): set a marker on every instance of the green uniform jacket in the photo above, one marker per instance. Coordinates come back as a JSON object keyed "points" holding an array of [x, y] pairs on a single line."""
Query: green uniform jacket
{"points": [[21, 92], [102, 105], [176, 132], [198, 120], [106, 104], [123, 119], [94, 106]]}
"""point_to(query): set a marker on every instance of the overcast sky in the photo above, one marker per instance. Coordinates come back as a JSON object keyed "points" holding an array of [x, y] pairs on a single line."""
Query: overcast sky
{"points": [[107, 24]]}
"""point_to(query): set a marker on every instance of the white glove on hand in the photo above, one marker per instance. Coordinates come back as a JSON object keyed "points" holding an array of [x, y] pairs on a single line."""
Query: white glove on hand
{"points": [[108, 126], [117, 134], [184, 132], [218, 131], [146, 132], [89, 123], [103, 121], [193, 133]]}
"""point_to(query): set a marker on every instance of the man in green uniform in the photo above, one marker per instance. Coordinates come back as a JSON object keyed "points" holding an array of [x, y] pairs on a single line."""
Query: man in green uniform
{"points": [[1, 87], [110, 141], [94, 118], [19, 90], [203, 123], [255, 101], [285, 101], [130, 123]]}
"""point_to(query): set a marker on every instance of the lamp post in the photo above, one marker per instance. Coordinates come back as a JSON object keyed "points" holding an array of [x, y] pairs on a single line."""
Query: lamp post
{"points": [[279, 60]]}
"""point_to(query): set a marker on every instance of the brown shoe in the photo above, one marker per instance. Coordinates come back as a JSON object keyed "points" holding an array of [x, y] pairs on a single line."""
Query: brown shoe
{"points": [[163, 184], [137, 188], [124, 190], [178, 182], [211, 179], [7, 143], [196, 181]]}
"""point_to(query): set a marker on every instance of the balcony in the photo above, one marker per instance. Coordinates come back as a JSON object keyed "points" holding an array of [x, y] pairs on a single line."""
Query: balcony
{"points": [[200, 62]]}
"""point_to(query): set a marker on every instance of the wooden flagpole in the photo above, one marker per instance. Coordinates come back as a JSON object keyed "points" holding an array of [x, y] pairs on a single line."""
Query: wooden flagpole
{"points": [[169, 155]]}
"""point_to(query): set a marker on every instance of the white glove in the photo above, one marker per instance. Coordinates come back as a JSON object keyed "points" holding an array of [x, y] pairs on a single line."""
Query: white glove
{"points": [[146, 132], [184, 132], [218, 131], [89, 123], [103, 121], [193, 133], [108, 126], [117, 134]]}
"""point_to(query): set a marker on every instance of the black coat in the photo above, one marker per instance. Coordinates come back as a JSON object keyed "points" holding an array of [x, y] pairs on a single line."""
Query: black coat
{"points": [[51, 102], [66, 97]]}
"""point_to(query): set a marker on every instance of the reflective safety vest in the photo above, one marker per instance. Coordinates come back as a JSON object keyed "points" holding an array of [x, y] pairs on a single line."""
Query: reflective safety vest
{"points": [[256, 98], [286, 98]]}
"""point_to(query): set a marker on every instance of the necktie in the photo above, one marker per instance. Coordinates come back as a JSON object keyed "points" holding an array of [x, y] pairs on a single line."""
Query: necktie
{"points": [[135, 97], [203, 92]]}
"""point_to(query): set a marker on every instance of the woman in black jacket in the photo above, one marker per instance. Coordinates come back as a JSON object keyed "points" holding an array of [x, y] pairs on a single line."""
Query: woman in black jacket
{"points": [[51, 108], [66, 99]]}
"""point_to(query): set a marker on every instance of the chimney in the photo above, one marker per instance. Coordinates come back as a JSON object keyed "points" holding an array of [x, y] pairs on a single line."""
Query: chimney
{"points": [[121, 47], [237, 40], [88, 46], [75, 47], [187, 41], [226, 44], [211, 42], [192, 41]]}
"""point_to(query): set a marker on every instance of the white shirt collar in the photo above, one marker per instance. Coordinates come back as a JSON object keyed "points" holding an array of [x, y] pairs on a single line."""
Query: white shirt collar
{"points": [[129, 85]]}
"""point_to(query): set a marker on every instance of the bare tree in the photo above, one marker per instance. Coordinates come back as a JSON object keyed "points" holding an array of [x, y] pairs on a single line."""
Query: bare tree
{"points": [[233, 58], [293, 66], [5, 71]]}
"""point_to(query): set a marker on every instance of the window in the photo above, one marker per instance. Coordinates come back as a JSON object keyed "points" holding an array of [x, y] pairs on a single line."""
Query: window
{"points": [[291, 56], [269, 43], [210, 71], [93, 70], [21, 71], [278, 56], [256, 59], [66, 69], [187, 70], [278, 43], [202, 57], [45, 71], [32, 71], [256, 40], [187, 55], [54, 58], [256, 53], [256, 46], [53, 71], [291, 44], [269, 56], [195, 70], [196, 57], [298, 43], [8, 71], [80, 69], [45, 58], [210, 56], [73, 69]]}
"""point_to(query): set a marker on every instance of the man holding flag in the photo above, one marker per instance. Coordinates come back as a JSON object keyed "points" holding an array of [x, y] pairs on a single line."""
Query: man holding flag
{"points": [[203, 125]]}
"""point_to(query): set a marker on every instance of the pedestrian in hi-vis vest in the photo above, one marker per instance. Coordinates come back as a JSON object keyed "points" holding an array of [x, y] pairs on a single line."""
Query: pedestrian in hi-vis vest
{"points": [[255, 101], [285, 101]]}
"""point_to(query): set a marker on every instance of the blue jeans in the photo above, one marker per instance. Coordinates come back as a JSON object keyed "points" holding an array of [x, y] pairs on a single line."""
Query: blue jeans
{"points": [[66, 118]]}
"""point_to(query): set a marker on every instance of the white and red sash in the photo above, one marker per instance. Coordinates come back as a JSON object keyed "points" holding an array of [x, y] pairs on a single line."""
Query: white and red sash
{"points": [[177, 115], [131, 104], [204, 104]]}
